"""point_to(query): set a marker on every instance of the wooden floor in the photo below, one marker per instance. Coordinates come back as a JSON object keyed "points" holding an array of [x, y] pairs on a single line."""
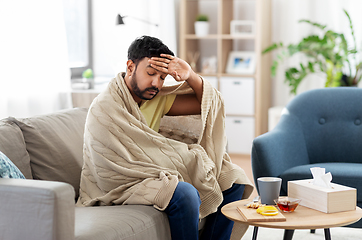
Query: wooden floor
{"points": [[244, 161]]}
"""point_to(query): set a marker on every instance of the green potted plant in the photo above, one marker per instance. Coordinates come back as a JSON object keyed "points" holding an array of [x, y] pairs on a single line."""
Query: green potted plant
{"points": [[202, 25], [329, 53], [88, 77]]}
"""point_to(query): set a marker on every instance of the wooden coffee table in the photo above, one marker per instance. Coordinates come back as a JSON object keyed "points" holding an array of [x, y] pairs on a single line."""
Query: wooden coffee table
{"points": [[301, 218]]}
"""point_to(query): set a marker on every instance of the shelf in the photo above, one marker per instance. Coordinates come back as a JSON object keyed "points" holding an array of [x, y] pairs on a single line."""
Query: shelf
{"points": [[227, 75], [223, 36], [219, 43], [240, 115], [229, 36], [238, 75], [193, 36], [207, 74]]}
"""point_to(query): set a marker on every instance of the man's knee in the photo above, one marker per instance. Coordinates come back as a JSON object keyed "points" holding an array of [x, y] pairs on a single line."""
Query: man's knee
{"points": [[186, 195], [238, 188], [234, 193]]}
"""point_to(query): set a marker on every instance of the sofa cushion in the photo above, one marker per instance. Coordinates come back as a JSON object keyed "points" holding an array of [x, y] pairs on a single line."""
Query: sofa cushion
{"points": [[12, 144], [181, 128], [347, 174], [55, 145], [125, 222], [8, 169]]}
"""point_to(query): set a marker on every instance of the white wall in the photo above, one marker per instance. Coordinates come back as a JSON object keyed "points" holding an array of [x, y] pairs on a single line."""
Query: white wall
{"points": [[111, 42]]}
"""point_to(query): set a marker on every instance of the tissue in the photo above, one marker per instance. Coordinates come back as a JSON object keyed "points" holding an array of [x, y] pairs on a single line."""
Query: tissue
{"points": [[320, 177]]}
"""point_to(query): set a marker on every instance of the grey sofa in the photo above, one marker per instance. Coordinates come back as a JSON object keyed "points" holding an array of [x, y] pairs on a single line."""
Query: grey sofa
{"points": [[48, 151], [319, 128]]}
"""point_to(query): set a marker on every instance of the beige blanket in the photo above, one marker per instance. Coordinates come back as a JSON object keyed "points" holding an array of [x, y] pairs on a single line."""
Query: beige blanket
{"points": [[126, 162]]}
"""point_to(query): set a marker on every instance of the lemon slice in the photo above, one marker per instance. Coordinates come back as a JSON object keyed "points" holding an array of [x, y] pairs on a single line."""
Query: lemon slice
{"points": [[265, 208], [269, 212]]}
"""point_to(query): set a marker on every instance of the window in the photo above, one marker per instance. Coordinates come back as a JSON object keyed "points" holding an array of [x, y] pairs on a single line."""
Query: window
{"points": [[77, 15]]}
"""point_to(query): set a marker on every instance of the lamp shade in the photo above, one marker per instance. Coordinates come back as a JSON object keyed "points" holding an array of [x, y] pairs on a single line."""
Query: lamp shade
{"points": [[119, 20]]}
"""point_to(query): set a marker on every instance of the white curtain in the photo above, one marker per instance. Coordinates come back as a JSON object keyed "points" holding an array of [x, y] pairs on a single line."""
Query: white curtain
{"points": [[34, 72], [286, 29]]}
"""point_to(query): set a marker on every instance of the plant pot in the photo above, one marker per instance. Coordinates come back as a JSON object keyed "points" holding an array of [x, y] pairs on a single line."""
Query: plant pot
{"points": [[89, 81], [201, 28]]}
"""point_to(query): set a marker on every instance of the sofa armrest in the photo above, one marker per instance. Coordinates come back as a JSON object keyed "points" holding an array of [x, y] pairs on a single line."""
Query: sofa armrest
{"points": [[280, 149], [36, 209]]}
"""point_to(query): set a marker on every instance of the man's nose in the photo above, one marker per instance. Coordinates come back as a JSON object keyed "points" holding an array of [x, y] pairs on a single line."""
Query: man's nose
{"points": [[156, 82]]}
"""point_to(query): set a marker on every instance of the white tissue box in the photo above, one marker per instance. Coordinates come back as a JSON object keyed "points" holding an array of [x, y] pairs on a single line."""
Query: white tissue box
{"points": [[338, 199]]}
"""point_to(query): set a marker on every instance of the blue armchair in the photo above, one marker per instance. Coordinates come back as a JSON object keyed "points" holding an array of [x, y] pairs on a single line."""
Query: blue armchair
{"points": [[321, 127]]}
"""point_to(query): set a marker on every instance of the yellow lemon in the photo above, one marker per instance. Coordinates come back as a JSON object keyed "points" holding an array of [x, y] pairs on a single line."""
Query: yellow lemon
{"points": [[267, 210]]}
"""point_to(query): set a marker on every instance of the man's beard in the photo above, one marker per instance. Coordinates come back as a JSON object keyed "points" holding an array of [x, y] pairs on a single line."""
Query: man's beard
{"points": [[137, 91]]}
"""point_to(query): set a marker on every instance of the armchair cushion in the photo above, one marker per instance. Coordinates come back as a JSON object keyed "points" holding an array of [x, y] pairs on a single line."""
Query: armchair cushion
{"points": [[331, 122], [8, 169]]}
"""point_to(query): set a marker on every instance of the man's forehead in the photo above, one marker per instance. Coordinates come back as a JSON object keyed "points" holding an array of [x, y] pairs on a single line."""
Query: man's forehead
{"points": [[148, 65]]}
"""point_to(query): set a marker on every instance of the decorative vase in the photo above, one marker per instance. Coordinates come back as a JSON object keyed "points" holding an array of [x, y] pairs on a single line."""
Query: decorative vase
{"points": [[201, 28]]}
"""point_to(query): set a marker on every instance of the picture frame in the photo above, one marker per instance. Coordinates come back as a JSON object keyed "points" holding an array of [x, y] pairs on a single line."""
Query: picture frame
{"points": [[241, 62], [209, 65], [242, 27]]}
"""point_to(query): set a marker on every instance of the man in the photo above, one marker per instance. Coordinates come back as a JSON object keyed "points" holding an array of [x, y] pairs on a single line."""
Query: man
{"points": [[126, 160]]}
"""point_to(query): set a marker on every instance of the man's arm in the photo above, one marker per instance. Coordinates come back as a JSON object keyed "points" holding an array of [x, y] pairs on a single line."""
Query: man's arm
{"points": [[181, 71]]}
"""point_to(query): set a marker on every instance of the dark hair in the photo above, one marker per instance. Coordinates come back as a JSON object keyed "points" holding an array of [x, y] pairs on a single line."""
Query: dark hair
{"points": [[147, 46]]}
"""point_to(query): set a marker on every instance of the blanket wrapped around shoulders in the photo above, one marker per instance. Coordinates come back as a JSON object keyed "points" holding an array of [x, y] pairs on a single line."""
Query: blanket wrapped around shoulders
{"points": [[126, 162]]}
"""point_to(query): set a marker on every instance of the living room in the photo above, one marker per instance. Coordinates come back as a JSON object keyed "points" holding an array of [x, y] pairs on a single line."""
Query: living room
{"points": [[46, 47]]}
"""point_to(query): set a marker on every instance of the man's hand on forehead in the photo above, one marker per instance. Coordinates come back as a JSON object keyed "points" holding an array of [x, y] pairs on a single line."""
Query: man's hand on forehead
{"points": [[161, 63], [176, 67]]}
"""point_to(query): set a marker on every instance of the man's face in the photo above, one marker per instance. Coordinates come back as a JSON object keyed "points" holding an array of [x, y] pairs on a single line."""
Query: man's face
{"points": [[146, 81]]}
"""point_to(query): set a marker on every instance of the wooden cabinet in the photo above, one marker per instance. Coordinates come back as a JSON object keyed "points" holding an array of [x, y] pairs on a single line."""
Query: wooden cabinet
{"points": [[240, 132], [247, 96], [238, 93]]}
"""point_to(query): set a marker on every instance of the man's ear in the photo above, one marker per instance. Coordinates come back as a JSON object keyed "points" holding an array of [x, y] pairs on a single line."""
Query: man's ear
{"points": [[130, 66]]}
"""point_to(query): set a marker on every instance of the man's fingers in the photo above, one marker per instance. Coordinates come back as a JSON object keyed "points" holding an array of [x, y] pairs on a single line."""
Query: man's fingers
{"points": [[158, 59], [175, 76], [160, 68], [163, 63], [167, 56], [158, 63]]}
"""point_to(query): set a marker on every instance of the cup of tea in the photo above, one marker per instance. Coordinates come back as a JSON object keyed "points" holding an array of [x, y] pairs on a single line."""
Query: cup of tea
{"points": [[287, 204], [269, 189]]}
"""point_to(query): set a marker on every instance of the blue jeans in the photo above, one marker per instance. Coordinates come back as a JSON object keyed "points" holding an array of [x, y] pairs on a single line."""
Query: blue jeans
{"points": [[183, 214]]}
